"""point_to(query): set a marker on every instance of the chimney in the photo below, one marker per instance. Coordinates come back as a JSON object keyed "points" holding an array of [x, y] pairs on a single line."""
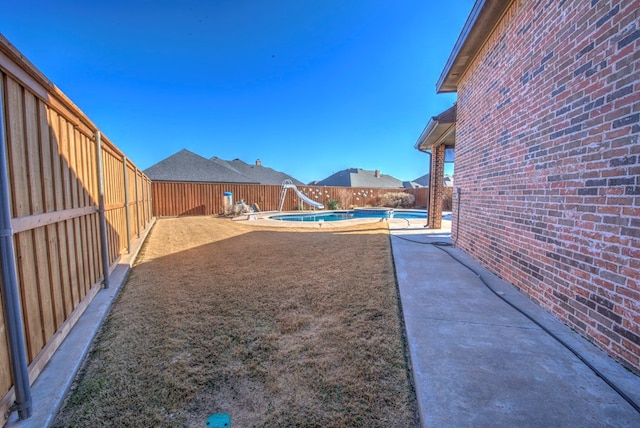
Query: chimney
{"points": [[377, 173], [258, 162]]}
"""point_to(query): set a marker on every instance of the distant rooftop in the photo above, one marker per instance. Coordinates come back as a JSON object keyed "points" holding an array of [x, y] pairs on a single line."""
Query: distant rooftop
{"points": [[258, 172], [356, 177], [188, 166], [424, 180]]}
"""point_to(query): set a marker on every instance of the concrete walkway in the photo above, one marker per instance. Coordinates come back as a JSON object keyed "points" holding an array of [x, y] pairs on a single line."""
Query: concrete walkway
{"points": [[477, 362]]}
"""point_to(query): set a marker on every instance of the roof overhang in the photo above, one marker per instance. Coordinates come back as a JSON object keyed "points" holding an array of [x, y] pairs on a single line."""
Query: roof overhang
{"points": [[440, 130], [481, 22]]}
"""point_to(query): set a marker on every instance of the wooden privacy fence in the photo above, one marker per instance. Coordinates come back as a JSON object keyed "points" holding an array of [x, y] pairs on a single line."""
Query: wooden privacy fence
{"points": [[57, 224], [182, 198]]}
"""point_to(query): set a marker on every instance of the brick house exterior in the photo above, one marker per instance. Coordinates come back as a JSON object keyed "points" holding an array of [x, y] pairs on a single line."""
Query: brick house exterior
{"points": [[548, 157]]}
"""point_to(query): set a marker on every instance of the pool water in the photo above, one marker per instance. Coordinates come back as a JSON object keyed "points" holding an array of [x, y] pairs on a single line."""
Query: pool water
{"points": [[348, 215]]}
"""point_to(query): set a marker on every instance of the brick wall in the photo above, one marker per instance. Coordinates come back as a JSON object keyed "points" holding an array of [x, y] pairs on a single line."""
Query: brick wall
{"points": [[437, 194], [548, 163]]}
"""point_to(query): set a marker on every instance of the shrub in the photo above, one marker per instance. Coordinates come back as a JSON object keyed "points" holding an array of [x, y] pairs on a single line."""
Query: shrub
{"points": [[396, 200], [332, 204]]}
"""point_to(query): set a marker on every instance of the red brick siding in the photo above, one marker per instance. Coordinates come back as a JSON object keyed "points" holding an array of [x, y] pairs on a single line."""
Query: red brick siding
{"points": [[436, 196], [548, 163]]}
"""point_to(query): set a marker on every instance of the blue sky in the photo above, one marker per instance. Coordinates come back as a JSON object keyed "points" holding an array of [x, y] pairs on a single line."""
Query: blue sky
{"points": [[310, 87]]}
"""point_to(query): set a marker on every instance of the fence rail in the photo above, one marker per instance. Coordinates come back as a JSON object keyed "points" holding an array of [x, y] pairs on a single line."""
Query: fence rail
{"points": [[186, 198], [52, 177]]}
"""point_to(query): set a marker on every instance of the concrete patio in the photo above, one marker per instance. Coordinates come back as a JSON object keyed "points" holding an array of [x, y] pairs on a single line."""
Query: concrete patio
{"points": [[478, 362]]}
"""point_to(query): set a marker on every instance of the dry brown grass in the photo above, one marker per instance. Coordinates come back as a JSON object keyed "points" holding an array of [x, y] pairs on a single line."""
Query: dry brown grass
{"points": [[276, 327]]}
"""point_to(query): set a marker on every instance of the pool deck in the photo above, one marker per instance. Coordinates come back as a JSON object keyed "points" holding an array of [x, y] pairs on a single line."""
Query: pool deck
{"points": [[262, 219]]}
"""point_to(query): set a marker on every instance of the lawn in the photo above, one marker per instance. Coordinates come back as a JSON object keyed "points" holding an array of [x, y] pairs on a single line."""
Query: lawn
{"points": [[276, 327]]}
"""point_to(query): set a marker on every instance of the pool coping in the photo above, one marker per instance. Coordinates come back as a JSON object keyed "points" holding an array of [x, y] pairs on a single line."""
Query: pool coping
{"points": [[262, 219]]}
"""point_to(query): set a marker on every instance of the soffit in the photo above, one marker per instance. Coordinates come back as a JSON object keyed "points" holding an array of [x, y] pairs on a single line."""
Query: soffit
{"points": [[483, 18], [440, 130]]}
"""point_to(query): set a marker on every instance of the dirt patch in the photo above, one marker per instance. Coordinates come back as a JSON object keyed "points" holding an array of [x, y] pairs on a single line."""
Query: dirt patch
{"points": [[276, 327]]}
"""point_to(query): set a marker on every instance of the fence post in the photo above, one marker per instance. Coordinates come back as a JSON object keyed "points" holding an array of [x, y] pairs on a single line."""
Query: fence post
{"points": [[104, 245], [126, 203], [137, 207], [144, 205], [149, 204], [10, 292]]}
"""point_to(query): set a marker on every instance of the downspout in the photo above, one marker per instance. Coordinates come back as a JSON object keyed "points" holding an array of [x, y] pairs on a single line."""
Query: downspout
{"points": [[104, 247], [10, 292], [459, 193]]}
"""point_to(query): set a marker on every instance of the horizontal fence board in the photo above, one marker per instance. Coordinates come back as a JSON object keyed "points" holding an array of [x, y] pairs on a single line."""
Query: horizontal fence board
{"points": [[31, 222]]}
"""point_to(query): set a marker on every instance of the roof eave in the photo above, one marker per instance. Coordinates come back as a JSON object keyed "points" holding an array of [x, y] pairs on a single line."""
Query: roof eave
{"points": [[420, 144], [441, 133], [439, 130], [482, 19]]}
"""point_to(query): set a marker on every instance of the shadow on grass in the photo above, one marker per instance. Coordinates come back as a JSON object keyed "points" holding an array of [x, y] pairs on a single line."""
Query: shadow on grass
{"points": [[274, 327]]}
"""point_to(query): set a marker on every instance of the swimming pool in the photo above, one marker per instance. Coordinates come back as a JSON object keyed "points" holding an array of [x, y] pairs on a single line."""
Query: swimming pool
{"points": [[352, 214]]}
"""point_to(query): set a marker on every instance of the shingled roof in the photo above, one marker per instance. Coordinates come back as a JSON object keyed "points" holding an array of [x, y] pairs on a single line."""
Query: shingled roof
{"points": [[257, 172], [423, 180], [356, 177], [188, 166]]}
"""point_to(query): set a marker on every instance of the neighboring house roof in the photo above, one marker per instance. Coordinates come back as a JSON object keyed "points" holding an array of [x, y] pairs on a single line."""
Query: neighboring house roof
{"points": [[424, 180], [482, 20], [257, 172], [224, 163], [356, 177], [441, 129], [188, 166], [411, 185]]}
